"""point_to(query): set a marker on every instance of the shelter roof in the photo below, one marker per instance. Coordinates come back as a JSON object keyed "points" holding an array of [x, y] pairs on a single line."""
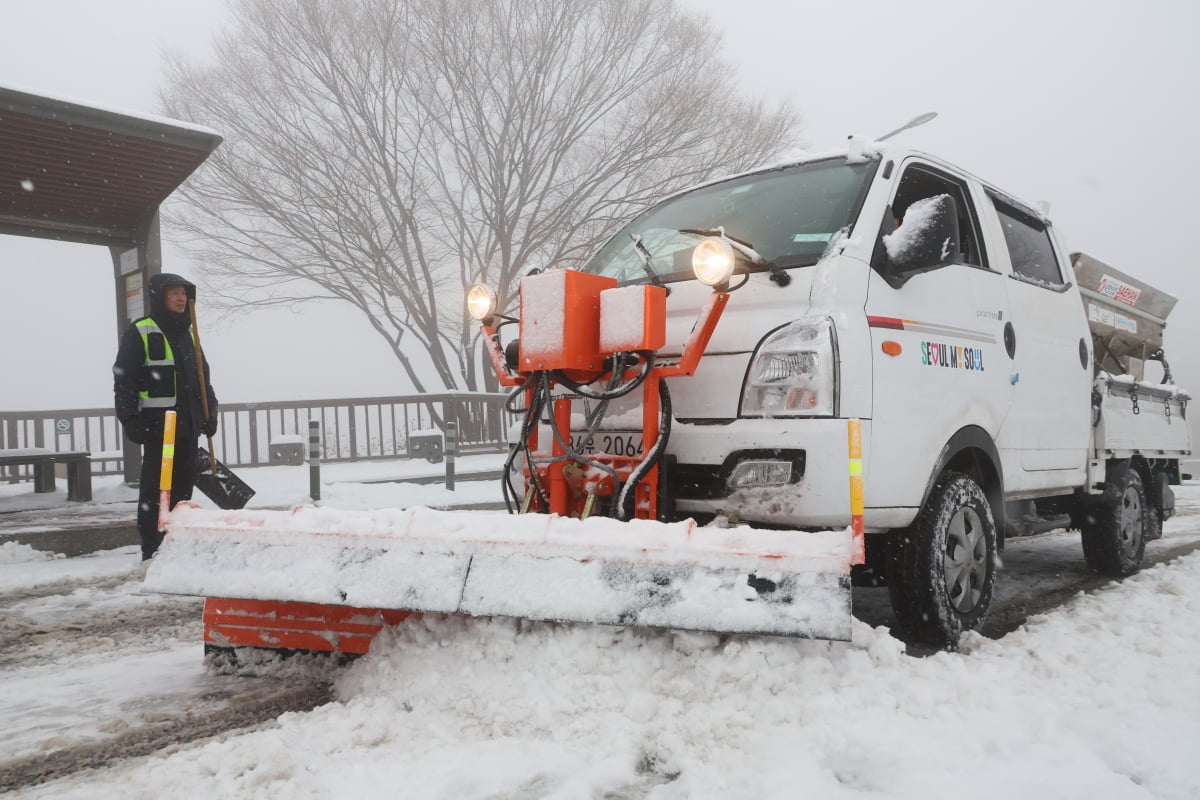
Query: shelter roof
{"points": [[82, 173]]}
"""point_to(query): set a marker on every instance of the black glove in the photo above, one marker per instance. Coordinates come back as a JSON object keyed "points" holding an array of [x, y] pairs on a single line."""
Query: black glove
{"points": [[210, 426], [137, 429]]}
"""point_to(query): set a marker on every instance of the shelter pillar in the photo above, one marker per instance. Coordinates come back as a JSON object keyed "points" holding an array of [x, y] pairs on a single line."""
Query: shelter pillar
{"points": [[132, 268]]}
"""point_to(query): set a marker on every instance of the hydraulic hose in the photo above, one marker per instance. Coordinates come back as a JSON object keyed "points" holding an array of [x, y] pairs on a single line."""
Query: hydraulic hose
{"points": [[612, 393], [624, 506], [532, 414], [541, 397]]}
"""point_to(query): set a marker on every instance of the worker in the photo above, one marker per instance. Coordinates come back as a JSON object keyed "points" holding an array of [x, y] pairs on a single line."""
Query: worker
{"points": [[156, 372]]}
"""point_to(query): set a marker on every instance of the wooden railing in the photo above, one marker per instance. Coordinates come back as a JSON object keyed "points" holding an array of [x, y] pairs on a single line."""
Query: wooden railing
{"points": [[357, 429]]}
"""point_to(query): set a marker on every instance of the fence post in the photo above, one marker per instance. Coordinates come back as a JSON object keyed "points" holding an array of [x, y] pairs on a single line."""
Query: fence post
{"points": [[451, 449], [253, 428], [314, 460]]}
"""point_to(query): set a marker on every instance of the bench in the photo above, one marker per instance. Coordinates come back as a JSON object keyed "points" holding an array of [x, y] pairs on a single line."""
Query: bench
{"points": [[79, 469]]}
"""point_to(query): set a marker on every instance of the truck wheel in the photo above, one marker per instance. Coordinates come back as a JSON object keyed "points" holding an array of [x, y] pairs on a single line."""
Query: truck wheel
{"points": [[1154, 524], [1114, 528], [942, 568]]}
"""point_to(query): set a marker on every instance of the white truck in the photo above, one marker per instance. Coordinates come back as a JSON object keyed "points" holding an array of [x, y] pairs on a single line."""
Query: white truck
{"points": [[999, 382]]}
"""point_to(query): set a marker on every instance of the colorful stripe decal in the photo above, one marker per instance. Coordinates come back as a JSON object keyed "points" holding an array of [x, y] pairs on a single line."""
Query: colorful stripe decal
{"points": [[887, 322], [897, 324], [854, 450]]}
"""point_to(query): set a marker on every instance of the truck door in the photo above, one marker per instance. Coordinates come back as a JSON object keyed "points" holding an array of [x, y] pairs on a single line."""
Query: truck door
{"points": [[1047, 348], [936, 347]]}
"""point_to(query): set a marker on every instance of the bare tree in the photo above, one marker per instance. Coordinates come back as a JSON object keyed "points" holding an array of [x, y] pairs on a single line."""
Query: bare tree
{"points": [[389, 153]]}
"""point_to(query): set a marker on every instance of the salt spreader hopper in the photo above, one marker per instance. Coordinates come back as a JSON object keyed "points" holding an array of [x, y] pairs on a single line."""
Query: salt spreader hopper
{"points": [[588, 544]]}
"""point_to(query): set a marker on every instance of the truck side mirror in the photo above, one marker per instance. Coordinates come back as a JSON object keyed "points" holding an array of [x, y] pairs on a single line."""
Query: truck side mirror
{"points": [[928, 238]]}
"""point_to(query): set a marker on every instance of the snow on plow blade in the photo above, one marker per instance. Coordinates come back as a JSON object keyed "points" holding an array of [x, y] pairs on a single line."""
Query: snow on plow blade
{"points": [[639, 573]]}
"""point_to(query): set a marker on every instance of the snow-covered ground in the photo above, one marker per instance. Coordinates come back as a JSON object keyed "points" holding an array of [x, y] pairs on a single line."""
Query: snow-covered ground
{"points": [[1099, 699]]}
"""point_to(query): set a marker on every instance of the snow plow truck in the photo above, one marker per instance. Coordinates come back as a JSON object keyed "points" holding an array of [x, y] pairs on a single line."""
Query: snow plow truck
{"points": [[869, 364]]}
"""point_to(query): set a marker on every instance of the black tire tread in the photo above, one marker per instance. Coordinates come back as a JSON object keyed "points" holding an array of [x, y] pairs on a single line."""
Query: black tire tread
{"points": [[922, 610], [1100, 525]]}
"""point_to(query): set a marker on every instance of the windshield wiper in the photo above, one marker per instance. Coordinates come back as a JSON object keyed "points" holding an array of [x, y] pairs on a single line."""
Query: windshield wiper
{"points": [[756, 258], [647, 259]]}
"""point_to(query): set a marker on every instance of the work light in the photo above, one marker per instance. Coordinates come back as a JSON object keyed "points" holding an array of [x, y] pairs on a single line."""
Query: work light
{"points": [[712, 261], [481, 302]]}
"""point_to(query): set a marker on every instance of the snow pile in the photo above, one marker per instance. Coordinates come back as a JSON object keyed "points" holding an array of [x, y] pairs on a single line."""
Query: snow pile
{"points": [[17, 553], [918, 220], [21, 496], [1099, 700], [860, 149], [543, 310], [675, 542], [625, 317]]}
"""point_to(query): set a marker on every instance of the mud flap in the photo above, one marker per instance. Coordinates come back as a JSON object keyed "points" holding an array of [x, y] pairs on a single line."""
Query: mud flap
{"points": [[640, 573]]}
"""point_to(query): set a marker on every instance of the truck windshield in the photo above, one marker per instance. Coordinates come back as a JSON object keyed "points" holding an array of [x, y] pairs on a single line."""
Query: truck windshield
{"points": [[787, 215]]}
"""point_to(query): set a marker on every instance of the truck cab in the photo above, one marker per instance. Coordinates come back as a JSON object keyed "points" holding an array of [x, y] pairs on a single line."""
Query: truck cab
{"points": [[886, 285]]}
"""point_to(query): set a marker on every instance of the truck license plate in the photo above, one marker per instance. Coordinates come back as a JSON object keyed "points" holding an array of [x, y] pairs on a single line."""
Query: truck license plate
{"points": [[613, 443]]}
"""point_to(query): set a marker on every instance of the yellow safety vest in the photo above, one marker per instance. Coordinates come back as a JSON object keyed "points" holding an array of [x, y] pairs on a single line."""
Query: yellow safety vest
{"points": [[159, 367]]}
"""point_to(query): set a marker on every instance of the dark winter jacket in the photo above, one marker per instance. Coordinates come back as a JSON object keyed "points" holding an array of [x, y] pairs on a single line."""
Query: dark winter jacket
{"points": [[132, 375]]}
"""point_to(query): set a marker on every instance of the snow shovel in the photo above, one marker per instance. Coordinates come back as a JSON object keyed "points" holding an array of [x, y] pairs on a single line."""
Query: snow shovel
{"points": [[219, 484], [213, 478]]}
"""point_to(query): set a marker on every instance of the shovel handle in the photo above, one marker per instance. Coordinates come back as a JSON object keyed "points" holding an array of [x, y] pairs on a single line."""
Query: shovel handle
{"points": [[212, 456]]}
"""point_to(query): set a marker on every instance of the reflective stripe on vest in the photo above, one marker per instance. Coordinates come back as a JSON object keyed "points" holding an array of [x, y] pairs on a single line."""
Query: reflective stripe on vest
{"points": [[147, 327]]}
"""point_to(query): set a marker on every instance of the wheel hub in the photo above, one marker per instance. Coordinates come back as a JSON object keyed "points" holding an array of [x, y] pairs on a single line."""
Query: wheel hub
{"points": [[966, 560], [1131, 520]]}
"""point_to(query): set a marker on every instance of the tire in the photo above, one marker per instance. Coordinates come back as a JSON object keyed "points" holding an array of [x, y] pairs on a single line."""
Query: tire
{"points": [[1114, 529], [1154, 524], [942, 569]]}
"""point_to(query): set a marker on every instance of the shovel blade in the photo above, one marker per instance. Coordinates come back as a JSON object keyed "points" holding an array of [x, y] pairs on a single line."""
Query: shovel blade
{"points": [[642, 574], [224, 488]]}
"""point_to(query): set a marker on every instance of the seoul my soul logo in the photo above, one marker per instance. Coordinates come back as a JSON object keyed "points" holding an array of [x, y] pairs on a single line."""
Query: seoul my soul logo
{"points": [[937, 354]]}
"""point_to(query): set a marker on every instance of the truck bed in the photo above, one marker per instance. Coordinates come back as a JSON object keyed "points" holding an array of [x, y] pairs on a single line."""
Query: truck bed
{"points": [[1140, 418]]}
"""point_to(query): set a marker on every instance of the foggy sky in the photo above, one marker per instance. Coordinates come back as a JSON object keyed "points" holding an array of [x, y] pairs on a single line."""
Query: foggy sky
{"points": [[1089, 106]]}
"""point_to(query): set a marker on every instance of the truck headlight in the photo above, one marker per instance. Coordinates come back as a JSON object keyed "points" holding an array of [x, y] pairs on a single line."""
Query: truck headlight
{"points": [[481, 302], [793, 373]]}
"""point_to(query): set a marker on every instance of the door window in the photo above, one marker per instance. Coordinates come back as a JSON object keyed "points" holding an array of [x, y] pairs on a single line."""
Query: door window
{"points": [[1029, 245], [919, 183]]}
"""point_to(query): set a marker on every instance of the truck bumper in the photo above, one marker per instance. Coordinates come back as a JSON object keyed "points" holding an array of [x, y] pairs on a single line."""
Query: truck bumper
{"points": [[816, 496]]}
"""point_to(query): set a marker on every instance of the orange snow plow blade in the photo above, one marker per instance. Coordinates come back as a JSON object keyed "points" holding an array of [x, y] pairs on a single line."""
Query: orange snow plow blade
{"points": [[350, 570]]}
